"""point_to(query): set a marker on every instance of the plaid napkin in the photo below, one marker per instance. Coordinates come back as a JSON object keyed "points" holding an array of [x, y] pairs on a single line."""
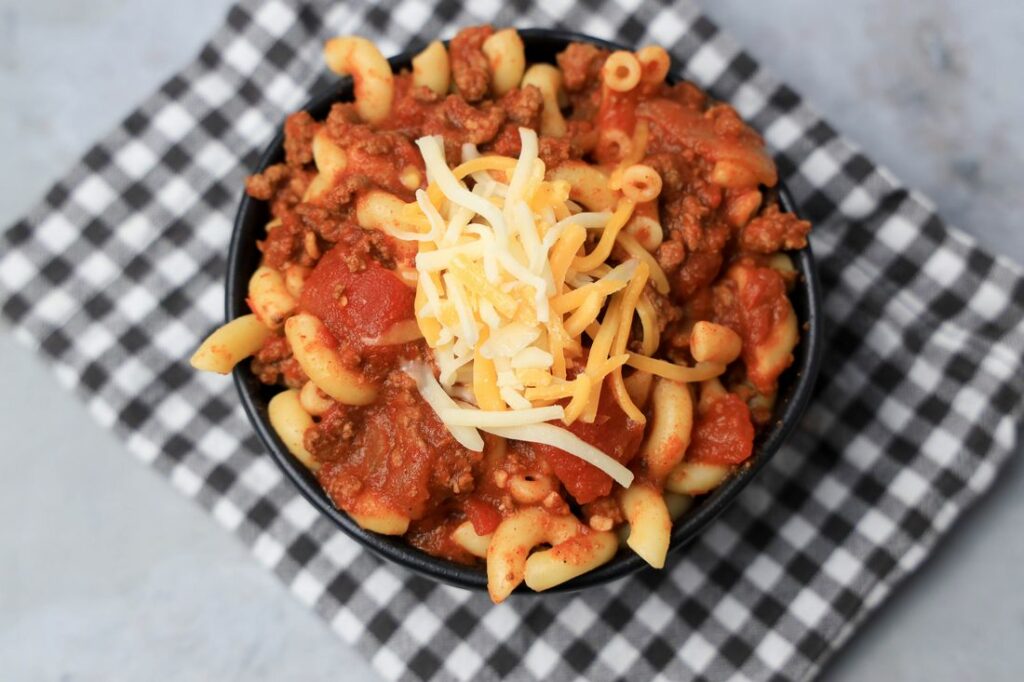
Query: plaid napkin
{"points": [[118, 273]]}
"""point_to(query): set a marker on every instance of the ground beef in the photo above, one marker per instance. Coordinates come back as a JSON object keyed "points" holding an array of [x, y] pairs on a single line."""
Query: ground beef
{"points": [[728, 124], [396, 448], [340, 119], [280, 184], [554, 150], [581, 65], [689, 95], [284, 243], [582, 137], [668, 312], [523, 106], [323, 220], [421, 93], [299, 129], [698, 271], [264, 186], [773, 231], [342, 194], [361, 246], [470, 67], [671, 254], [477, 125], [284, 183], [274, 364], [674, 170], [507, 143]]}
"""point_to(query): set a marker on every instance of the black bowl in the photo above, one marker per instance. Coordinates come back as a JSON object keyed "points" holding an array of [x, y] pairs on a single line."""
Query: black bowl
{"points": [[795, 385]]}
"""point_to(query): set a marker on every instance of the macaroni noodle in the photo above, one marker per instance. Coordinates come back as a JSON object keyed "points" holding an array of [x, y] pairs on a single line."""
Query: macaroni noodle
{"points": [[504, 51], [431, 68], [374, 83], [548, 80], [230, 344], [621, 71]]}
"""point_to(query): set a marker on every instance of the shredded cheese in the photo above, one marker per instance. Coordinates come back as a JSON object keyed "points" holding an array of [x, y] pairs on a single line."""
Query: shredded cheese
{"points": [[702, 371], [505, 289], [549, 434], [499, 418], [439, 401]]}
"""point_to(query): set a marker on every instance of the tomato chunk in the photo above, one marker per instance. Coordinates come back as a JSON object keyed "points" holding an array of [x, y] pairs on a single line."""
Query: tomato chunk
{"points": [[612, 432], [484, 517], [717, 134], [724, 434], [356, 304]]}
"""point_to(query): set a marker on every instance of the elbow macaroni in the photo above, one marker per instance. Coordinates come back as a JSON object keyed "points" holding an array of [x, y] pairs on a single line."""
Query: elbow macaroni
{"points": [[733, 174], [641, 183], [621, 71], [512, 541], [507, 57], [669, 429], [379, 210], [530, 489], [645, 226], [654, 64], [290, 422], [650, 526], [710, 391], [269, 297], [373, 515], [465, 536], [767, 360], [432, 69], [589, 185], [374, 82], [548, 80], [574, 557], [230, 344], [696, 478], [313, 400], [677, 504], [329, 158], [323, 365], [295, 279], [575, 550], [710, 342]]}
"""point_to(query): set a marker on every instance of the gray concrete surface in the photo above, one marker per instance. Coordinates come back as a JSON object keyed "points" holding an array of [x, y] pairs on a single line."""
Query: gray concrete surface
{"points": [[107, 574]]}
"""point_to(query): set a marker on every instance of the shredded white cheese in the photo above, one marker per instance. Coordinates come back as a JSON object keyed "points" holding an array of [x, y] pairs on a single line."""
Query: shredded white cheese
{"points": [[549, 434], [485, 284], [502, 418], [439, 401]]}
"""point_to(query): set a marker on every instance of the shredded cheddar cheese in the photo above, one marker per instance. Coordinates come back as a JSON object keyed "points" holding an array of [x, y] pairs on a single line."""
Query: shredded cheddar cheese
{"points": [[505, 290]]}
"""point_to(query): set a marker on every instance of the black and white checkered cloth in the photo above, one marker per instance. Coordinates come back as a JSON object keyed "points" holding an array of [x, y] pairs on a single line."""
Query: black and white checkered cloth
{"points": [[117, 275]]}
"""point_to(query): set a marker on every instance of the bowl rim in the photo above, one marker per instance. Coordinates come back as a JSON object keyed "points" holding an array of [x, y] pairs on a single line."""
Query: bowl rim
{"points": [[803, 371]]}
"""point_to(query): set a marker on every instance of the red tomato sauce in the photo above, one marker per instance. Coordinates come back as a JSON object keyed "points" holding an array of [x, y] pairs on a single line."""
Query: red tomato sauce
{"points": [[358, 301], [396, 448], [483, 515], [724, 434], [612, 432]]}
